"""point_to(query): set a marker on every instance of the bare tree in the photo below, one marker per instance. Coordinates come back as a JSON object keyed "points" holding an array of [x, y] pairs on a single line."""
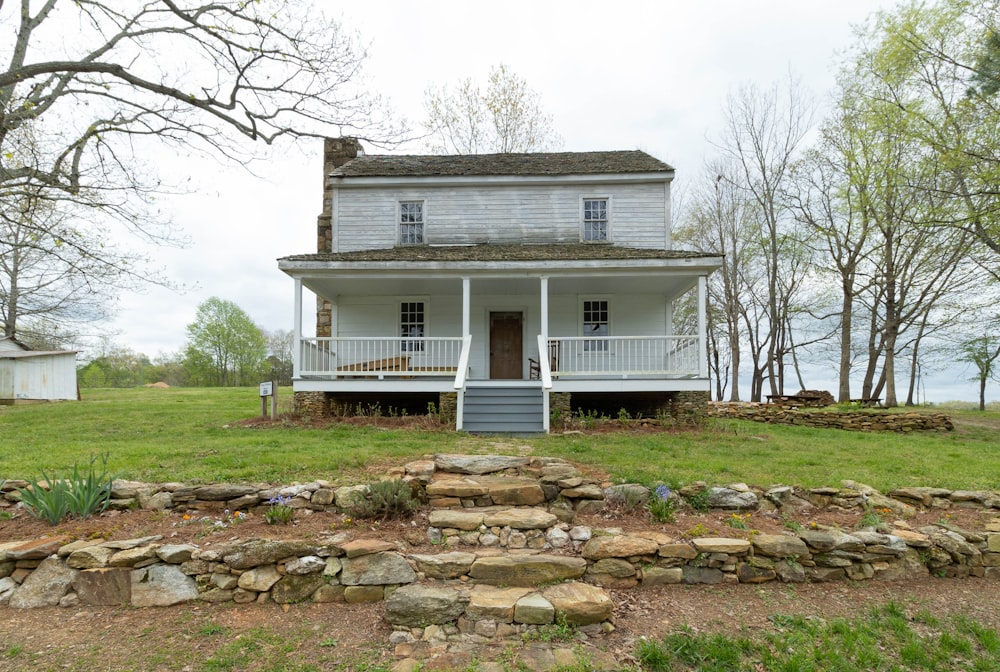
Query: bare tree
{"points": [[90, 88], [723, 220], [764, 130], [506, 117]]}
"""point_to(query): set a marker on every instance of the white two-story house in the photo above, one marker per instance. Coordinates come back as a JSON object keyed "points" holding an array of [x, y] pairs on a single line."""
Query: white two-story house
{"points": [[504, 289]]}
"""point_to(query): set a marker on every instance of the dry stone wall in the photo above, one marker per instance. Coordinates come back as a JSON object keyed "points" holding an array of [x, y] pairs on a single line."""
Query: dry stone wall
{"points": [[508, 554], [858, 421]]}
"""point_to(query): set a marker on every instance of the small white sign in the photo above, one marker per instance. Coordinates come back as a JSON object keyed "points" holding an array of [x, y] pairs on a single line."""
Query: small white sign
{"points": [[265, 389]]}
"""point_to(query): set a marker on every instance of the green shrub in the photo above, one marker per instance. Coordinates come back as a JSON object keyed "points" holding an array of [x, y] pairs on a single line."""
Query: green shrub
{"points": [[82, 494], [51, 503], [386, 499]]}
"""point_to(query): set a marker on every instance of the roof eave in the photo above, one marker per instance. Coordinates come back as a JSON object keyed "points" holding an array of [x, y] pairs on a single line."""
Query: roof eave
{"points": [[348, 181], [696, 264]]}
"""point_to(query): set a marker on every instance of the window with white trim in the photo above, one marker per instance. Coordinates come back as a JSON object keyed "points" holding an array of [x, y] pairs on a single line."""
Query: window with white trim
{"points": [[411, 222], [596, 323], [595, 219], [411, 326]]}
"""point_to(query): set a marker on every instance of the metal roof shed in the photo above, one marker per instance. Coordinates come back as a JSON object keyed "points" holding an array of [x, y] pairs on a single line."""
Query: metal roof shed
{"points": [[35, 375]]}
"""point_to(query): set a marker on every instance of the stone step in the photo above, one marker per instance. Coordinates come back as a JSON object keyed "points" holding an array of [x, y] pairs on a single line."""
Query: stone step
{"points": [[573, 603]]}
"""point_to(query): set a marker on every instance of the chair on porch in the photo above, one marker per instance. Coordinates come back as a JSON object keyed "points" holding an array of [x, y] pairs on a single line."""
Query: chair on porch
{"points": [[535, 367]]}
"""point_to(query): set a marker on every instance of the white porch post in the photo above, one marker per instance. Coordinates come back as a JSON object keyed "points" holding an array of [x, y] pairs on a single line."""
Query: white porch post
{"points": [[543, 356], [466, 306], [545, 308], [466, 331], [703, 326], [297, 329]]}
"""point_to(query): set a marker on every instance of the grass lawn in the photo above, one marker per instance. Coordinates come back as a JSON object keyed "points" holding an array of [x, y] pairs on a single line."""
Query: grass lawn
{"points": [[185, 434]]}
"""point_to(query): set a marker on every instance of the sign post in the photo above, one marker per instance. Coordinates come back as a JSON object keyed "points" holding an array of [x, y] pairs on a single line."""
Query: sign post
{"points": [[269, 389]]}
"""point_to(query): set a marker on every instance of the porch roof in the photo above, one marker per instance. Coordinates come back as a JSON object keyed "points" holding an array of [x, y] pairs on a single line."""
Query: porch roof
{"points": [[497, 253]]}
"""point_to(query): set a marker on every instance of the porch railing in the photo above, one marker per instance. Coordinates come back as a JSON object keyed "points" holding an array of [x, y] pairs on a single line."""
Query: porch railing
{"points": [[381, 357], [625, 356]]}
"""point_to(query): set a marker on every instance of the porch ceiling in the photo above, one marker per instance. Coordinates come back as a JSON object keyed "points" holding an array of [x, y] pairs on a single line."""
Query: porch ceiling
{"points": [[660, 284]]}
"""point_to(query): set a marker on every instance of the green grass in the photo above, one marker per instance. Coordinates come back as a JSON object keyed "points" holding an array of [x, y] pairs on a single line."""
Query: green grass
{"points": [[883, 639], [184, 434]]}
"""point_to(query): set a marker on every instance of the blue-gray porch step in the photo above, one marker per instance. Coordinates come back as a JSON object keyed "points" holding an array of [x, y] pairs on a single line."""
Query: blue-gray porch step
{"points": [[504, 410]]}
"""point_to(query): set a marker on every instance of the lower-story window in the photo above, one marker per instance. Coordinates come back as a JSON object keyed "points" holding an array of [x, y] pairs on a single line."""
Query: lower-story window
{"points": [[596, 323], [411, 325]]}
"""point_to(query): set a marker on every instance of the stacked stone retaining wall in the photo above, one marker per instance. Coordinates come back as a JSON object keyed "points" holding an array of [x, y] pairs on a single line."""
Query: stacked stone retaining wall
{"points": [[855, 421], [507, 553]]}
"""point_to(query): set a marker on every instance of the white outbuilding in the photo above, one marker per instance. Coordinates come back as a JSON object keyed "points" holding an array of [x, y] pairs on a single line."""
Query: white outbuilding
{"points": [[35, 375]]}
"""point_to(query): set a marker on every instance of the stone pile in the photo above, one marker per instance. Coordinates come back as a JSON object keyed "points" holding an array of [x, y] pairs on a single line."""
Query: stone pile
{"points": [[854, 421]]}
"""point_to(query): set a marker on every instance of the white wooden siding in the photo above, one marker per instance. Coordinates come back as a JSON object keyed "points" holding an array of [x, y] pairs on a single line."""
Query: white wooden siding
{"points": [[367, 218]]}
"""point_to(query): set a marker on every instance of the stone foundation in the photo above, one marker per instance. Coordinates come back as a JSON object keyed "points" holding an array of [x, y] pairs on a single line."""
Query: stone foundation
{"points": [[688, 408], [560, 405], [448, 408], [310, 404]]}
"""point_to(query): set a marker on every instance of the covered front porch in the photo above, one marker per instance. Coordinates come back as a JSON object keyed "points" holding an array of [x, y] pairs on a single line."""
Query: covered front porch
{"points": [[586, 326]]}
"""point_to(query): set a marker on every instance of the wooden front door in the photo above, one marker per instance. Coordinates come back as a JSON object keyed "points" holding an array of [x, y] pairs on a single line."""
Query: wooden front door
{"points": [[506, 346]]}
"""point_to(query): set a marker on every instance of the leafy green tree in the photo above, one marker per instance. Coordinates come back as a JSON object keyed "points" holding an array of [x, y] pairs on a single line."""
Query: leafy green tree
{"points": [[937, 63], [223, 339], [982, 352], [115, 366]]}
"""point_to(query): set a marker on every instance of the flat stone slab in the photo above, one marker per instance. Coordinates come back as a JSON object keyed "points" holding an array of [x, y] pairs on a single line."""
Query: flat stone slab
{"points": [[378, 569], [534, 609], [36, 549], [721, 545], [418, 605], [527, 570], [514, 491], [580, 603], [456, 487], [360, 547], [444, 565], [618, 546], [221, 492], [521, 519], [459, 520], [495, 603], [780, 546], [478, 464]]}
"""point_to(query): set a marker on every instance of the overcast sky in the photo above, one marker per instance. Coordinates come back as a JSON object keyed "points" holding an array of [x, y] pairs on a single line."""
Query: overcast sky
{"points": [[614, 75]]}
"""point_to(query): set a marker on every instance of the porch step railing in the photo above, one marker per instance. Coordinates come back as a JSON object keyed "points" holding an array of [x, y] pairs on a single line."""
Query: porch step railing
{"points": [[384, 357], [624, 356]]}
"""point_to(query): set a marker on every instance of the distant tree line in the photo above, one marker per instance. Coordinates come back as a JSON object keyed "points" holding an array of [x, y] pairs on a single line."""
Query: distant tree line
{"points": [[224, 349]]}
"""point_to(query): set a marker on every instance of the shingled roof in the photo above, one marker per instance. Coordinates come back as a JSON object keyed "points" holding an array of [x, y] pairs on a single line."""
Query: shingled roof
{"points": [[555, 163], [493, 252]]}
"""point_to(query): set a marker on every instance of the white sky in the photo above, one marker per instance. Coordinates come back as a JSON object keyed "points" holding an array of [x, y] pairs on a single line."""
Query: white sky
{"points": [[629, 74]]}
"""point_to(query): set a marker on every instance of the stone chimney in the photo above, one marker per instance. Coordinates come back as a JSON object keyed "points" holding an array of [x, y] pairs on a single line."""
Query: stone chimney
{"points": [[336, 152]]}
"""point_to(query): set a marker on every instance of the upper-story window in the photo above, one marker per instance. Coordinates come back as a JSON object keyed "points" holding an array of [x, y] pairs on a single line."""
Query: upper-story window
{"points": [[595, 219], [411, 222]]}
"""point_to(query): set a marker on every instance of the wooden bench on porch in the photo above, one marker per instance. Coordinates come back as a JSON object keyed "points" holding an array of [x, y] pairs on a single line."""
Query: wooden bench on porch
{"points": [[399, 363]]}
